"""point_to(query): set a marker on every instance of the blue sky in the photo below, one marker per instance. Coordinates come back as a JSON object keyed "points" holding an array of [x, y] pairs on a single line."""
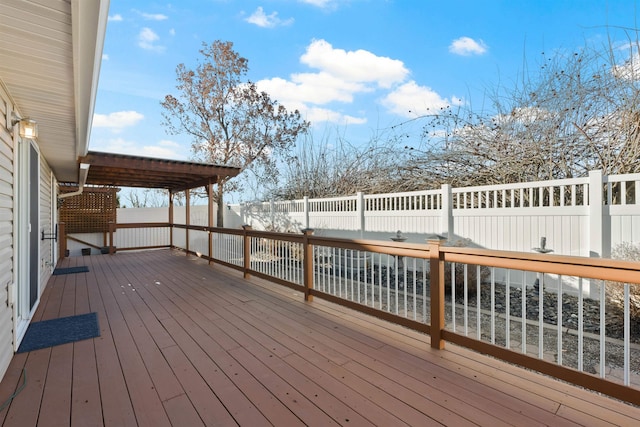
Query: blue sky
{"points": [[357, 66]]}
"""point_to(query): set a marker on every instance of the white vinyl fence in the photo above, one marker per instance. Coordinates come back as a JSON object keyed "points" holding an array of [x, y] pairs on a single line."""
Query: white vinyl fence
{"points": [[580, 216]]}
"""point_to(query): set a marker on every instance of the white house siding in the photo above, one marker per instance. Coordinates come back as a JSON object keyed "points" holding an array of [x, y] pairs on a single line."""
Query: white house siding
{"points": [[7, 244], [47, 261]]}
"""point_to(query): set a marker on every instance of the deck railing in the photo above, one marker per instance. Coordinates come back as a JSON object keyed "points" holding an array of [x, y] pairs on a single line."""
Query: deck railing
{"points": [[495, 302]]}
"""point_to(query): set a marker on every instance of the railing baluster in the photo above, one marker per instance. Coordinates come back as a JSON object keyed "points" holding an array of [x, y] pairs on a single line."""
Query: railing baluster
{"points": [[453, 295], [351, 271], [603, 331], [404, 287], [424, 291], [493, 305], [415, 285], [396, 286], [559, 320], [541, 317], [380, 297], [465, 298], [523, 313], [358, 260], [335, 262], [388, 284], [478, 303], [580, 326], [627, 334], [507, 297]]}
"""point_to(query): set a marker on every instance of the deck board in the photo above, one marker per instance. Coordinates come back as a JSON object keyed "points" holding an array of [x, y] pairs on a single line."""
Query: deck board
{"points": [[185, 343]]}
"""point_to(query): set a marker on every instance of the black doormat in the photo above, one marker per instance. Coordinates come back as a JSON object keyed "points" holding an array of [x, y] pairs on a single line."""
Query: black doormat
{"points": [[69, 270], [49, 333]]}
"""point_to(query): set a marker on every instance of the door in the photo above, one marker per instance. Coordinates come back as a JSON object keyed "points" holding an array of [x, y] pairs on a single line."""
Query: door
{"points": [[34, 226], [27, 201]]}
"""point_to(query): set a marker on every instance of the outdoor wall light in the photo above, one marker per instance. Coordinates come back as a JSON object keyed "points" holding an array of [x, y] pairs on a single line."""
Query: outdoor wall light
{"points": [[28, 127]]}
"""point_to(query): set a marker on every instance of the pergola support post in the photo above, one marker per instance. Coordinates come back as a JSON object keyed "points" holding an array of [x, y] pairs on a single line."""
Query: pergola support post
{"points": [[171, 219], [210, 218], [187, 219]]}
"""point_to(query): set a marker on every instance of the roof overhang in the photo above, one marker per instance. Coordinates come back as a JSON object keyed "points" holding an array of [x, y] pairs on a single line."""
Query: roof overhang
{"points": [[120, 170], [50, 56]]}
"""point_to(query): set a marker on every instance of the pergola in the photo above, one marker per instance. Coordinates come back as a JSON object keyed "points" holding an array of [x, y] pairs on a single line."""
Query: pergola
{"points": [[121, 170]]}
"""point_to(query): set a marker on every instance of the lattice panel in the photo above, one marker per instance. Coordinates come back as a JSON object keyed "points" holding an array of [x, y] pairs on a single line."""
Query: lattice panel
{"points": [[89, 212]]}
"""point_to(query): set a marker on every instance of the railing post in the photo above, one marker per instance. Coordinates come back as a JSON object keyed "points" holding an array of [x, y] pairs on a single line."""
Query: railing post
{"points": [[446, 218], [436, 285], [306, 212], [112, 228], [62, 235], [360, 212], [247, 251], [307, 267]]}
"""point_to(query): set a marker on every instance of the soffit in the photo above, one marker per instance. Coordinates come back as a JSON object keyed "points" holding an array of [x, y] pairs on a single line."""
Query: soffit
{"points": [[50, 53]]}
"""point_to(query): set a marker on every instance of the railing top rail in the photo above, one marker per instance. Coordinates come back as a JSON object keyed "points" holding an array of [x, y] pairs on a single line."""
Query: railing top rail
{"points": [[416, 250], [595, 268], [141, 224]]}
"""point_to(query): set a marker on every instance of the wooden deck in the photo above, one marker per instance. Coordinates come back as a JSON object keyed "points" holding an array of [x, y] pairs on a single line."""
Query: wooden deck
{"points": [[187, 344]]}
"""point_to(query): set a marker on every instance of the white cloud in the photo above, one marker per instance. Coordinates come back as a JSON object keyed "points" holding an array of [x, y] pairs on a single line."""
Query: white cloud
{"points": [[629, 69], [165, 149], [115, 18], [320, 88], [147, 39], [118, 120], [105, 57], [263, 20], [341, 76], [172, 32], [305, 96], [412, 100], [355, 66], [344, 75], [317, 115], [154, 16], [323, 4], [466, 46]]}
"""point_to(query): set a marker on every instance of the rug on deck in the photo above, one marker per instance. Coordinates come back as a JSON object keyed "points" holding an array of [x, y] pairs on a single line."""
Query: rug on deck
{"points": [[49, 333], [69, 270]]}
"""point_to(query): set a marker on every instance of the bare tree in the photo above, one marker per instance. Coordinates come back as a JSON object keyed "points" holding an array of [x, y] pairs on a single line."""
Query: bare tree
{"points": [[579, 112], [230, 121], [334, 167], [147, 198]]}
